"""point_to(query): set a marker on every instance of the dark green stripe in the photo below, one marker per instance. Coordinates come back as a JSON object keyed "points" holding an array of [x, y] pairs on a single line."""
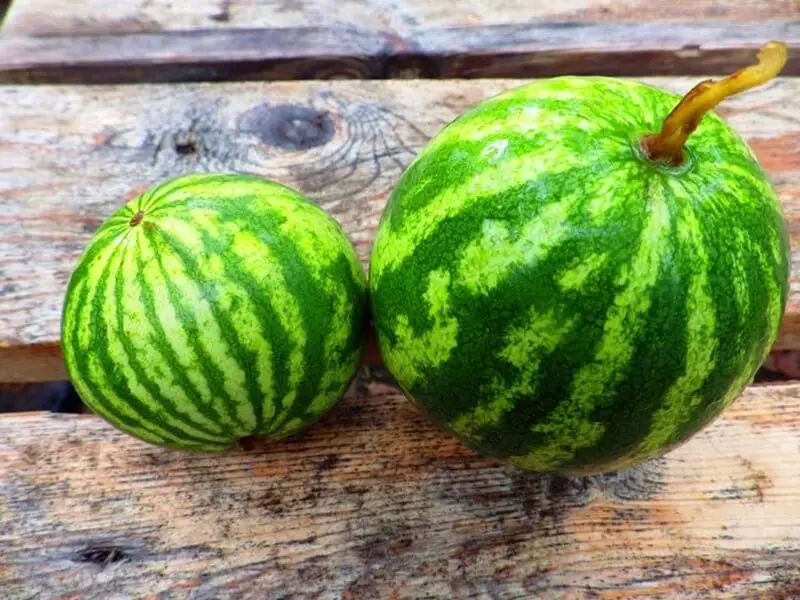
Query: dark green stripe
{"points": [[193, 332], [140, 369], [484, 321], [659, 356], [246, 359], [182, 183], [314, 302], [119, 385], [161, 341], [357, 298], [79, 361], [258, 292], [736, 331], [538, 286], [457, 162]]}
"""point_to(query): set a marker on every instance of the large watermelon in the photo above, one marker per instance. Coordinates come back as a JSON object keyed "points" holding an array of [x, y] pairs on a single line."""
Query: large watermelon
{"points": [[215, 307], [555, 296]]}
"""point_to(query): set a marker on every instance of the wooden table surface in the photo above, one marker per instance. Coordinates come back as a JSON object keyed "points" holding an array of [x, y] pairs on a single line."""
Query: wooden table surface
{"points": [[99, 100]]}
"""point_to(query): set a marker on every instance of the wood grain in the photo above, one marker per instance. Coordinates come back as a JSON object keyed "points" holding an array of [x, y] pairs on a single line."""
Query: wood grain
{"points": [[70, 156], [373, 502], [336, 52], [89, 17], [53, 41]]}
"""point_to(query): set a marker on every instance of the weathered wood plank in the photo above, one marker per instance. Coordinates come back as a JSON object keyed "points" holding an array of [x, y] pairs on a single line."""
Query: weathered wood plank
{"points": [[506, 50], [69, 156], [372, 502], [81, 17], [160, 41]]}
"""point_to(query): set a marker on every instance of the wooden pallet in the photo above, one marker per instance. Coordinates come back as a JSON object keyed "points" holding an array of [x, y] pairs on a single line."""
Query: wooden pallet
{"points": [[100, 100]]}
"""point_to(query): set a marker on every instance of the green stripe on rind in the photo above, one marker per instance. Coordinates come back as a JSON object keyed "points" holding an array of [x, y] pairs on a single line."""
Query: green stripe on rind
{"points": [[317, 244], [570, 426], [469, 371], [212, 371], [98, 379], [219, 334], [242, 289], [130, 325], [408, 232], [319, 288], [77, 366], [697, 337], [177, 354], [684, 397], [121, 377]]}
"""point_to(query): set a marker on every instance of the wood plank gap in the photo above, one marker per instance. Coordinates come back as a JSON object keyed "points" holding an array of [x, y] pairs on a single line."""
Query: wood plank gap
{"points": [[504, 50]]}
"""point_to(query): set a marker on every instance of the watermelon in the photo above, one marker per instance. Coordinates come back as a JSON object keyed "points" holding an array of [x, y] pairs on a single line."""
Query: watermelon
{"points": [[215, 307], [570, 282]]}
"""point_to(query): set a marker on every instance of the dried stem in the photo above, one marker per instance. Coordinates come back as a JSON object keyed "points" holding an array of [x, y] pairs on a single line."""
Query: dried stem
{"points": [[667, 146]]}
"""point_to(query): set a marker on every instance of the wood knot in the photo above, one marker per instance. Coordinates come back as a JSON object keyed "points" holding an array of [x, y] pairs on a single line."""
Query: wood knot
{"points": [[288, 126]]}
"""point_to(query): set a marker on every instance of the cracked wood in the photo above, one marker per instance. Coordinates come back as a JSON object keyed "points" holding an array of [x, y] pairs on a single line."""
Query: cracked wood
{"points": [[373, 502], [69, 156]]}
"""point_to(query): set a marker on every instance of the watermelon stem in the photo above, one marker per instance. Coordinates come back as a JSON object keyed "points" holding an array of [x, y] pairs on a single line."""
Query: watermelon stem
{"points": [[248, 443], [668, 145], [136, 219]]}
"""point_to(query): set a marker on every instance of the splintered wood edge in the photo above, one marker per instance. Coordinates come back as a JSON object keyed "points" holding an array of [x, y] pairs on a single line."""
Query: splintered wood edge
{"points": [[374, 501], [511, 50]]}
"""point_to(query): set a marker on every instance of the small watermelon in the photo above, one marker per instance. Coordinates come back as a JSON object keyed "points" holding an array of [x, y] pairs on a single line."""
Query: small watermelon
{"points": [[215, 307], [568, 281]]}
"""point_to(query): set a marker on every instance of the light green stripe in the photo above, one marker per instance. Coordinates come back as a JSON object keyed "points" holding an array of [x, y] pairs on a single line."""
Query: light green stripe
{"points": [[775, 293], [178, 189], [91, 279], [257, 260], [742, 245], [526, 346], [733, 191], [758, 352], [488, 260], [394, 245], [414, 351], [683, 396], [569, 426], [315, 235], [140, 334], [335, 374], [210, 336], [605, 192], [526, 118], [175, 330], [71, 329], [576, 278], [135, 326]]}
